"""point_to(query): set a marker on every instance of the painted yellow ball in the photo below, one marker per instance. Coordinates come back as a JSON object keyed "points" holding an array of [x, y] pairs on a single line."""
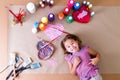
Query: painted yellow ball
{"points": [[44, 20]]}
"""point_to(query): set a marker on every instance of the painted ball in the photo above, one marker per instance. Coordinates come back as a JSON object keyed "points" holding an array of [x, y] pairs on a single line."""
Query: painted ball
{"points": [[42, 5], [90, 6], [61, 15], [34, 30], [66, 11], [76, 6], [88, 3], [42, 26], [51, 17], [47, 1], [92, 13], [69, 19], [36, 24], [51, 3], [44, 20], [70, 3], [84, 2]]}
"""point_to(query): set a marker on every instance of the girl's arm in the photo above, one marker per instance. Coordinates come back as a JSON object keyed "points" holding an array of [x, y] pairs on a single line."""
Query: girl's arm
{"points": [[73, 67], [95, 60]]}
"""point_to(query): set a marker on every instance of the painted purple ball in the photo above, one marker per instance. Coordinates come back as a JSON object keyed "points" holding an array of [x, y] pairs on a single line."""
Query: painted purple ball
{"points": [[51, 17]]}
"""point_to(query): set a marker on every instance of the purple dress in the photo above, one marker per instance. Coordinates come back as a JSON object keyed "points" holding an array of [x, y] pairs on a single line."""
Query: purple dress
{"points": [[84, 70]]}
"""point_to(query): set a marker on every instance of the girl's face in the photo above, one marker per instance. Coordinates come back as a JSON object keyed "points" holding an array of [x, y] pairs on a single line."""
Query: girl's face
{"points": [[71, 46]]}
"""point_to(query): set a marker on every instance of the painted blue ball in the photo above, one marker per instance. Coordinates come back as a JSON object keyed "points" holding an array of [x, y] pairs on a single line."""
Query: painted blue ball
{"points": [[36, 24], [76, 6]]}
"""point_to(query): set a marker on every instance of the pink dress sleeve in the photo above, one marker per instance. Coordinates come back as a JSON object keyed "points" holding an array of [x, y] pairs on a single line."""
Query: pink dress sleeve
{"points": [[69, 58]]}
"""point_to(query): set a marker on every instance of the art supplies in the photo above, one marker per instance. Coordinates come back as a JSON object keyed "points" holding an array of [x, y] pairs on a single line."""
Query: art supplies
{"points": [[27, 62], [13, 60], [31, 66], [26, 65], [34, 66]]}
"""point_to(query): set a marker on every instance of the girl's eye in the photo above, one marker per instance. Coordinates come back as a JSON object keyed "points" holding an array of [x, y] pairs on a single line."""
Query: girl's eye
{"points": [[68, 46]]}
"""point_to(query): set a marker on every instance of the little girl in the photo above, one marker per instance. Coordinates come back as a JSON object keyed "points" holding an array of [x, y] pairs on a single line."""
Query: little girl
{"points": [[82, 60]]}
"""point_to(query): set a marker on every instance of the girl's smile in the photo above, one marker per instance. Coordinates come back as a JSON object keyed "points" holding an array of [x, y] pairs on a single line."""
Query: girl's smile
{"points": [[71, 46]]}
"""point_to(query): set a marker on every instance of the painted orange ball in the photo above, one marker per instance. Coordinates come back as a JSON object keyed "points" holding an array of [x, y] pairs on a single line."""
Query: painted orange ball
{"points": [[42, 26], [61, 15]]}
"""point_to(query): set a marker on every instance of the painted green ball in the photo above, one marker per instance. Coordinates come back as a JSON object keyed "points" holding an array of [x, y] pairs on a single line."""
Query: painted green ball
{"points": [[69, 19]]}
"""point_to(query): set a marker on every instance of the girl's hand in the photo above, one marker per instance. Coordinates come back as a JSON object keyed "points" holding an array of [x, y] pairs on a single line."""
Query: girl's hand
{"points": [[76, 61], [94, 61]]}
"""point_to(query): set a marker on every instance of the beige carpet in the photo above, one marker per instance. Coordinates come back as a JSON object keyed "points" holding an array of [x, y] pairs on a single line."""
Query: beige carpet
{"points": [[101, 33]]}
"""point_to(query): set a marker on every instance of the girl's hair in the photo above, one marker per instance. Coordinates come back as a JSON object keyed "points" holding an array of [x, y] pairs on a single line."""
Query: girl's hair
{"points": [[70, 36]]}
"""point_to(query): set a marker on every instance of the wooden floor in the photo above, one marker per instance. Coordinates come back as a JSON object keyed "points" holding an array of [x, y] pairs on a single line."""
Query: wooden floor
{"points": [[4, 37]]}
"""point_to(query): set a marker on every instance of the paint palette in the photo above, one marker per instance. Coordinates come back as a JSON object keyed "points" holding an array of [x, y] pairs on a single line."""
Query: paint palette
{"points": [[45, 49]]}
